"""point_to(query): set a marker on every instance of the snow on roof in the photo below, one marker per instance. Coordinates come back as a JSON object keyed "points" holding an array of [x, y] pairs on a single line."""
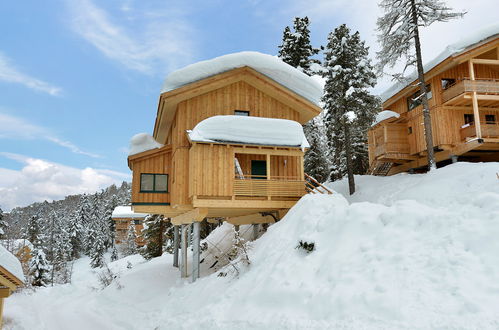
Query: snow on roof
{"points": [[250, 130], [384, 115], [126, 212], [11, 263], [142, 142], [16, 244], [451, 50], [271, 66]]}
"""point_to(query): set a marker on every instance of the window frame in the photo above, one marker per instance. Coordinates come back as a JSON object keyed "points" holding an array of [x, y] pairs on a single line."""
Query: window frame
{"points": [[410, 98], [488, 121], [153, 191], [469, 115], [240, 113]]}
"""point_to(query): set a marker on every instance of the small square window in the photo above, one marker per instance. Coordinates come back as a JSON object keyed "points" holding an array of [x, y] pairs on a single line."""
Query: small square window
{"points": [[241, 113], [469, 118], [155, 183], [136, 222], [490, 119], [410, 130], [161, 182], [147, 182]]}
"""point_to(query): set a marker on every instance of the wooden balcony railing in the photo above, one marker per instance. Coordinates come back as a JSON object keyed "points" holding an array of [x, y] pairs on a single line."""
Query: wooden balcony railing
{"points": [[275, 187], [480, 86], [489, 130], [391, 148]]}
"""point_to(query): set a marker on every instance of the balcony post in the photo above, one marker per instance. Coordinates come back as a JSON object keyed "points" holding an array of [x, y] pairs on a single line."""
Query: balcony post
{"points": [[476, 111], [268, 166]]}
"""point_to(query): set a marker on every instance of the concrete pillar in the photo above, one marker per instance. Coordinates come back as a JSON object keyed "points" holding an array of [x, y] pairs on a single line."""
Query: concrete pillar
{"points": [[255, 230], [189, 235], [176, 245], [183, 247], [195, 250], [454, 159]]}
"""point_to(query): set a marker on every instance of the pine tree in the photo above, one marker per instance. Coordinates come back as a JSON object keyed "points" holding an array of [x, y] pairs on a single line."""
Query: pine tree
{"points": [[114, 253], [33, 229], [154, 234], [97, 251], [75, 236], [399, 38], [349, 106], [39, 268], [296, 49], [315, 161], [131, 240], [3, 225]]}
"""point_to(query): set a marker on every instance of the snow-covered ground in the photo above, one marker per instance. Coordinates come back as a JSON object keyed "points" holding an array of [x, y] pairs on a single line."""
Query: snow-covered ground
{"points": [[405, 252]]}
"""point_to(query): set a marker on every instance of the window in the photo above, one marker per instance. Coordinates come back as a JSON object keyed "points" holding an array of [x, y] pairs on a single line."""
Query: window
{"points": [[241, 113], [490, 119], [447, 82], [136, 222], [414, 100], [153, 183], [468, 118], [410, 129]]}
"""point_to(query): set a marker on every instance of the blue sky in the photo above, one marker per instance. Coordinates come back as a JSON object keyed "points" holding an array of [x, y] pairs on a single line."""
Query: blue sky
{"points": [[78, 78]]}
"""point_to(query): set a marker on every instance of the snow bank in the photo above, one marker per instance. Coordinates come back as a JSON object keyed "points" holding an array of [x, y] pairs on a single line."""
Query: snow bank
{"points": [[452, 50], [384, 115], [142, 142], [250, 130], [126, 212], [271, 66], [11, 263]]}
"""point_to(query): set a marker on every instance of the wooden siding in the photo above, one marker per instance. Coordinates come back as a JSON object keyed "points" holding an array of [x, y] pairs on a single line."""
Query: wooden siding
{"points": [[158, 163]]}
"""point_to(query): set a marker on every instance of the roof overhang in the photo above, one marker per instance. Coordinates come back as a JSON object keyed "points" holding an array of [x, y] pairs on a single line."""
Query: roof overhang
{"points": [[147, 154], [168, 101]]}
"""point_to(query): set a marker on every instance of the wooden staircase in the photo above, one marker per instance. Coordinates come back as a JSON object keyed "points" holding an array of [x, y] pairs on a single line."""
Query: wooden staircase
{"points": [[380, 168], [315, 187]]}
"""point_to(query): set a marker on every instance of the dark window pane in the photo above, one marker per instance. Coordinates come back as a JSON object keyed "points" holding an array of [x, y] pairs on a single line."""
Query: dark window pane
{"points": [[136, 222], [241, 113], [468, 118], [147, 182], [161, 183], [490, 119]]}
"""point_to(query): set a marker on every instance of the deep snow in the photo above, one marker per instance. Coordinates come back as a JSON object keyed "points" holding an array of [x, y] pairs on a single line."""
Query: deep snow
{"points": [[405, 252]]}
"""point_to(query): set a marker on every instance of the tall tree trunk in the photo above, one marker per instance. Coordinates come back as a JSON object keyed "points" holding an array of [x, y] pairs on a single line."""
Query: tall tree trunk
{"points": [[348, 154], [422, 88]]}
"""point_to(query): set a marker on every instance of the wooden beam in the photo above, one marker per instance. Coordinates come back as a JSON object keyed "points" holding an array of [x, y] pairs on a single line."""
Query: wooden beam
{"points": [[249, 204], [476, 111], [198, 214], [5, 292], [250, 219], [484, 61], [274, 152]]}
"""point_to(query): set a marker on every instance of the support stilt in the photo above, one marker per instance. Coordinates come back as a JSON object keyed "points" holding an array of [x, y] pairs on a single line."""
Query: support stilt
{"points": [[195, 251], [176, 245], [255, 231], [189, 235], [183, 247], [454, 159]]}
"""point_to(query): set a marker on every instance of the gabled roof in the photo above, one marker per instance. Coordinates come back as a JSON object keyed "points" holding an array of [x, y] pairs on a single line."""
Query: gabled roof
{"points": [[11, 272], [450, 56], [279, 80]]}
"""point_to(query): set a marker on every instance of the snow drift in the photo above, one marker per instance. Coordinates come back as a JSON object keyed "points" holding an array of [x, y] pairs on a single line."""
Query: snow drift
{"points": [[250, 130], [271, 66]]}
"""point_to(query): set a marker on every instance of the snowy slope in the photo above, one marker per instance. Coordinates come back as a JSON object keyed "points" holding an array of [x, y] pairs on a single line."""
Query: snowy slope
{"points": [[405, 252]]}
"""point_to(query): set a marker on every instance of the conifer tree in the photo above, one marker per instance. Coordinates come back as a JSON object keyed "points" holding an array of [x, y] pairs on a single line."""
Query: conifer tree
{"points": [[131, 240], [350, 108], [153, 234], [399, 38], [3, 225], [74, 233], [33, 229], [39, 267], [315, 161]]}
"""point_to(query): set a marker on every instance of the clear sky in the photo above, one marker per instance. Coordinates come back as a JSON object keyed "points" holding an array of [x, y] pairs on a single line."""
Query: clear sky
{"points": [[78, 78]]}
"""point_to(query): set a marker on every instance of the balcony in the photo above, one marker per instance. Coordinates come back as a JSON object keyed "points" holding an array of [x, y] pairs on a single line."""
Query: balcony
{"points": [[489, 130], [458, 94], [260, 186]]}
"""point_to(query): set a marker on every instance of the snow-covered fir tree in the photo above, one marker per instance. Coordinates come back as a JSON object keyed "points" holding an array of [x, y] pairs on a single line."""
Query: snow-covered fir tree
{"points": [[154, 236], [39, 268], [399, 37], [74, 231], [349, 106], [131, 240], [296, 49], [33, 230], [3, 225], [315, 160]]}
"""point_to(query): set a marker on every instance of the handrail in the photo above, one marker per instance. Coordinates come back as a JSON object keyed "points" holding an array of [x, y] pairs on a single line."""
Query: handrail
{"points": [[488, 129], [484, 86], [329, 192]]}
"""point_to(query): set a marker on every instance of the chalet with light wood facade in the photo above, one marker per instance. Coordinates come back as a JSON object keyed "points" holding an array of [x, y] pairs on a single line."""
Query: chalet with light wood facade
{"points": [[463, 93], [123, 218], [11, 276], [227, 142]]}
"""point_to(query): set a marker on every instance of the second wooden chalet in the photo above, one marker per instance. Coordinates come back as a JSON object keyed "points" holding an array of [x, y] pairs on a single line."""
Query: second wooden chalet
{"points": [[123, 217], [463, 93], [227, 143]]}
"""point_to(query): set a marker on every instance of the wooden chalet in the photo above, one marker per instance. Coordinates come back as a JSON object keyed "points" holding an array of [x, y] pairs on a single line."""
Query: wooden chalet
{"points": [[123, 217], [463, 93], [190, 179], [11, 276]]}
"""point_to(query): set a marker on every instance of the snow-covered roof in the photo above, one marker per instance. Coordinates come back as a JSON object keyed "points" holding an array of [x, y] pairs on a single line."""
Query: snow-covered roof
{"points": [[250, 130], [142, 142], [271, 66], [384, 115], [126, 212], [10, 263], [16, 244], [451, 50]]}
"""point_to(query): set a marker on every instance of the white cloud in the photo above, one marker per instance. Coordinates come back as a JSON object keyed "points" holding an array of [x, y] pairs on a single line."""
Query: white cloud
{"points": [[41, 180], [160, 43], [17, 128], [9, 73]]}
